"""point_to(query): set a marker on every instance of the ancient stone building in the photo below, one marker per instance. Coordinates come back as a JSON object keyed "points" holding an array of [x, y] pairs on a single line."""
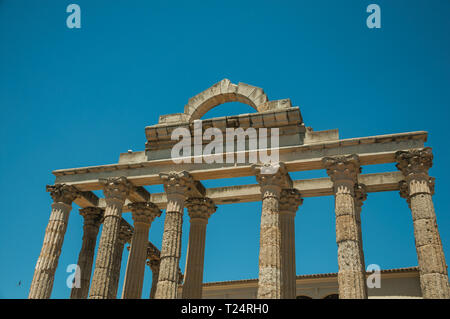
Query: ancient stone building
{"points": [[299, 148]]}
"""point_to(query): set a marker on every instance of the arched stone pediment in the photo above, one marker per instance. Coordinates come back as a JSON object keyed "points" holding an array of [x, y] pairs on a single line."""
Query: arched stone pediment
{"points": [[224, 92]]}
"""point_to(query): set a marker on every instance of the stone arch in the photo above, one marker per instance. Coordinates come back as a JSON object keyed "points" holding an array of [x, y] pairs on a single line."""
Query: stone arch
{"points": [[221, 93], [224, 92]]}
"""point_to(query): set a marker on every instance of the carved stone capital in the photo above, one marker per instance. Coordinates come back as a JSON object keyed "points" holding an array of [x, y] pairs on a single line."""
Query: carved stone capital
{"points": [[182, 183], [405, 191], [415, 163], [93, 216], [200, 207], [360, 194], [116, 188], [144, 212], [63, 193], [272, 177], [343, 170], [153, 252], [125, 232], [290, 199], [154, 265]]}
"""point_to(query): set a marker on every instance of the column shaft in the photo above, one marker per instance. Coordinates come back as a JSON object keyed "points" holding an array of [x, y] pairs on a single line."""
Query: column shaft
{"points": [[125, 234], [178, 186], [44, 274], [418, 189], [343, 171], [92, 217], [192, 287], [136, 263], [199, 209], [116, 190], [430, 254], [290, 199], [288, 273], [171, 249], [155, 274], [351, 277], [269, 283]]}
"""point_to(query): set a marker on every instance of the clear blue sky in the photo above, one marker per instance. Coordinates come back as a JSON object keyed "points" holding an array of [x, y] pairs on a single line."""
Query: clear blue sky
{"points": [[72, 98]]}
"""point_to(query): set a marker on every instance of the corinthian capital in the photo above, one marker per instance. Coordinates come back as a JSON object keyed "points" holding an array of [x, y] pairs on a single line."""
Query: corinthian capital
{"points": [[343, 170], [415, 163], [200, 207], [272, 175], [125, 232], [182, 183], [290, 199], [144, 212], [360, 194], [92, 216], [63, 193], [116, 187]]}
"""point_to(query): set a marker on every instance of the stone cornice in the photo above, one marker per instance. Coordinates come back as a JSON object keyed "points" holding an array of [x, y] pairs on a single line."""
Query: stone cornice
{"points": [[159, 136]]}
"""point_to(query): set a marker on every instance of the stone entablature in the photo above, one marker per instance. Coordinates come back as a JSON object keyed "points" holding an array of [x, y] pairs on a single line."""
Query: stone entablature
{"points": [[288, 121]]}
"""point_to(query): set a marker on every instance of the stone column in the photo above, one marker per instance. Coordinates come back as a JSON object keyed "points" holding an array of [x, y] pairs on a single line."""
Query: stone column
{"points": [[143, 214], [290, 199], [116, 190], [272, 178], [360, 197], [44, 273], [199, 209], [92, 217], [343, 171], [154, 266], [177, 185], [125, 235], [418, 189]]}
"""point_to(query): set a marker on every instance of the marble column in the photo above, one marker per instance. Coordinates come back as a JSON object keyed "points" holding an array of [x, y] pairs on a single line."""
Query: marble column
{"points": [[272, 178], [44, 273], [176, 185], [343, 171], [125, 235], [418, 188], [92, 217], [116, 190], [199, 210], [143, 214], [360, 197], [154, 267], [290, 199]]}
